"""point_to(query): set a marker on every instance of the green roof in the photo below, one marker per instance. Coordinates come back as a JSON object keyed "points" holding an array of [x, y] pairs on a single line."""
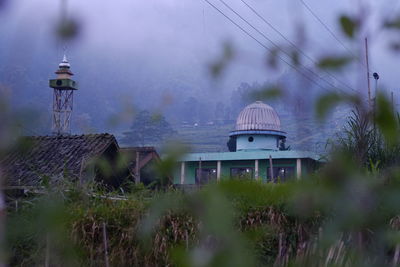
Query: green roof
{"points": [[251, 155]]}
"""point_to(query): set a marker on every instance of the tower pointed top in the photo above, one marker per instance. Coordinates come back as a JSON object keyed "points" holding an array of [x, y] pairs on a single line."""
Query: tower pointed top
{"points": [[64, 63]]}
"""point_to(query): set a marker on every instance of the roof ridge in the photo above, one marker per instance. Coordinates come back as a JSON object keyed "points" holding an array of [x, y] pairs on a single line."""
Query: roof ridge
{"points": [[67, 135]]}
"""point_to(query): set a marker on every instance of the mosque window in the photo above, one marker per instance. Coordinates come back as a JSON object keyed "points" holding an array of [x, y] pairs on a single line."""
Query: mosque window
{"points": [[251, 139], [281, 174], [205, 175], [242, 173]]}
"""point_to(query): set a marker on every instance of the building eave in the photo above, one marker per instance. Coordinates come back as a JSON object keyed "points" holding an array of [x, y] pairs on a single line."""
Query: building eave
{"points": [[281, 134], [250, 155]]}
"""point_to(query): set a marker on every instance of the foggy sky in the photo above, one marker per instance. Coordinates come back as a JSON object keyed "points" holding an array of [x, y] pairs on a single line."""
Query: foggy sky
{"points": [[158, 41]]}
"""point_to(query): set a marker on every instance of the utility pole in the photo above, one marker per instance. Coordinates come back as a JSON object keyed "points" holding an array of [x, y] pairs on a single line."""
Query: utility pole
{"points": [[369, 83], [376, 77]]}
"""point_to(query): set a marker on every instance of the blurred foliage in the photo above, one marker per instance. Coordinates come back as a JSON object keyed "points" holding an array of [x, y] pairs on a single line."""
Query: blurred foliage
{"points": [[3, 4], [333, 62], [349, 25], [392, 24], [267, 93], [330, 100], [345, 214], [68, 29], [219, 66], [387, 120], [337, 216]]}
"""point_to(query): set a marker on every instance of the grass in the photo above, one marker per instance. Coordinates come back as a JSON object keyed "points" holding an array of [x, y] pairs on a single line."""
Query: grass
{"points": [[233, 223]]}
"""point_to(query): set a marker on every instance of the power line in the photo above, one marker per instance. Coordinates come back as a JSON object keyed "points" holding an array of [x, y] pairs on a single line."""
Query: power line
{"points": [[260, 43], [272, 42], [277, 46], [331, 32], [293, 45]]}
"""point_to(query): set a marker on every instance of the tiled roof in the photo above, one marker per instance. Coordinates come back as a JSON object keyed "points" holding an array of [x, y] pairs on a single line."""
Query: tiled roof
{"points": [[52, 156]]}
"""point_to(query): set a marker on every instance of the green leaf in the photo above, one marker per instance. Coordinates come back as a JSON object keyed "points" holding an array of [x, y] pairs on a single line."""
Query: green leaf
{"points": [[348, 25], [68, 29], [392, 24], [272, 59], [326, 102], [333, 62], [269, 92], [295, 58], [156, 117], [395, 46], [386, 120], [217, 68]]}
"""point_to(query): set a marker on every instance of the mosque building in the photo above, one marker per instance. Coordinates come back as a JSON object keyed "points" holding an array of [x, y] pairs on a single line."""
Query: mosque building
{"points": [[257, 151]]}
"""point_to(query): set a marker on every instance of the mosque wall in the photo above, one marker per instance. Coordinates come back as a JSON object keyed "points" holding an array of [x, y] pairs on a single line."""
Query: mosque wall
{"points": [[253, 142], [245, 169]]}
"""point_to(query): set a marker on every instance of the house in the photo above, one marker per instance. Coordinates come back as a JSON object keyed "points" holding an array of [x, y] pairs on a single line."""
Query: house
{"points": [[147, 157], [257, 151], [75, 158]]}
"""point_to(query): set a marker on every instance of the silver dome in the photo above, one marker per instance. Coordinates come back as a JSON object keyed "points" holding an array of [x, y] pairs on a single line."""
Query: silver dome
{"points": [[258, 116]]}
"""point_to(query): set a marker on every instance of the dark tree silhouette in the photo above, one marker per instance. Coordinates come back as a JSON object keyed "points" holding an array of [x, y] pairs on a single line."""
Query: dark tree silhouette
{"points": [[147, 129]]}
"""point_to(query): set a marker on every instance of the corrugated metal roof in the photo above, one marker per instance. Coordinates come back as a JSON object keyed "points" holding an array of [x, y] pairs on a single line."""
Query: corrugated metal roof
{"points": [[251, 155], [258, 116]]}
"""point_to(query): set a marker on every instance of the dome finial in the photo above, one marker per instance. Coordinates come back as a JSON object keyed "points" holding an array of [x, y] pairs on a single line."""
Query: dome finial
{"points": [[64, 63]]}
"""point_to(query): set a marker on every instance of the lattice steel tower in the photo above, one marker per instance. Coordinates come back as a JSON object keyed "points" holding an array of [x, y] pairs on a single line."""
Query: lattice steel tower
{"points": [[64, 88]]}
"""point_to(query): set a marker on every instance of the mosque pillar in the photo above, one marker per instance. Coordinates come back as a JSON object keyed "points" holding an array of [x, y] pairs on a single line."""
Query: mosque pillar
{"points": [[218, 170], [298, 168], [256, 169], [183, 173]]}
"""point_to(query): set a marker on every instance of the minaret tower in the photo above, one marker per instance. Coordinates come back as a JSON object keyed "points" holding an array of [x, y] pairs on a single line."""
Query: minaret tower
{"points": [[64, 88]]}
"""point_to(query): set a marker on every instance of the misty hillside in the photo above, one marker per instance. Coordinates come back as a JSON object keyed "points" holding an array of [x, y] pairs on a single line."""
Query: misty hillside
{"points": [[122, 68]]}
